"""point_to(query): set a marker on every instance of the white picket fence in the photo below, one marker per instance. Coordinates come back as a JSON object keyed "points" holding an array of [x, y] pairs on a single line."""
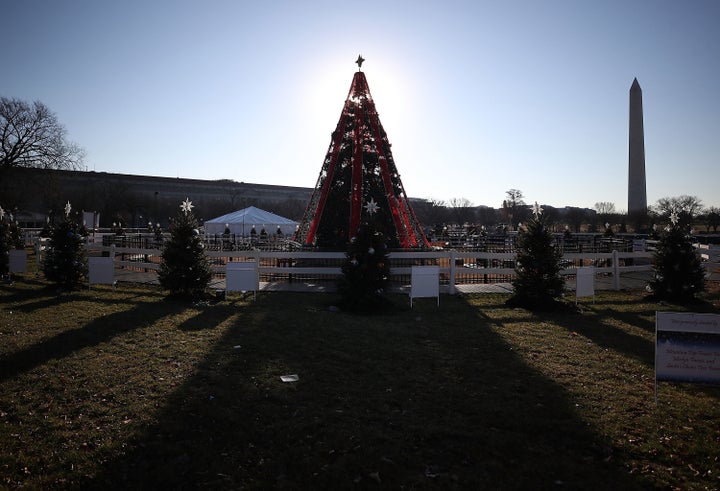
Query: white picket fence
{"points": [[456, 267], [710, 255]]}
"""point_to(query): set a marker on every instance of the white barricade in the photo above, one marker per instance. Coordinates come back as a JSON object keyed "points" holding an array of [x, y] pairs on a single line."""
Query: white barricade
{"points": [[425, 282], [242, 276], [101, 271], [17, 261], [585, 282]]}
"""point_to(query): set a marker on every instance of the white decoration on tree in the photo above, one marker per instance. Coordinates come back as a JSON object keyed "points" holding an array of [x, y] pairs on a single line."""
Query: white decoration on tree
{"points": [[2, 213], [372, 207], [537, 211], [186, 206], [67, 209], [674, 217]]}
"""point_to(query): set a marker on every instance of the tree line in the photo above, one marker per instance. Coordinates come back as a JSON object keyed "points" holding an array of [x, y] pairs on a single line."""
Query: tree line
{"points": [[32, 136]]}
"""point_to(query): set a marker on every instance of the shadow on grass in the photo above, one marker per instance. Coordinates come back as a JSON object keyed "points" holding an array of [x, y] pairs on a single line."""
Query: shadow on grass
{"points": [[207, 318], [634, 313], [601, 331], [32, 296], [427, 398], [22, 290], [98, 331]]}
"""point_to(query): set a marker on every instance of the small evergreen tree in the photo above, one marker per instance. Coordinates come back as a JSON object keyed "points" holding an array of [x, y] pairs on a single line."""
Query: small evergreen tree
{"points": [[366, 271], [11, 238], [538, 284], [678, 271], [185, 270], [65, 262]]}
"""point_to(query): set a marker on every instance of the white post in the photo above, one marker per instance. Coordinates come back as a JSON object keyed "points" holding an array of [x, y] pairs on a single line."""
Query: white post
{"points": [[452, 272], [38, 258], [616, 270]]}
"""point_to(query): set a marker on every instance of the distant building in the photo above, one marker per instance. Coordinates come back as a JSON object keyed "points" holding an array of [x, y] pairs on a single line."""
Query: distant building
{"points": [[34, 192]]}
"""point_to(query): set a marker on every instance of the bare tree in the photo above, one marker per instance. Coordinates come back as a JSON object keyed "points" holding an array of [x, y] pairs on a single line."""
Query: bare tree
{"points": [[487, 216], [605, 212], [32, 136], [462, 210], [604, 208], [431, 212], [711, 217], [575, 217], [686, 207], [514, 207]]}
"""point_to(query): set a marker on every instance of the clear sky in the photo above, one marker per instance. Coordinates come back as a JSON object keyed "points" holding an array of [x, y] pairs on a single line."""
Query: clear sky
{"points": [[476, 97]]}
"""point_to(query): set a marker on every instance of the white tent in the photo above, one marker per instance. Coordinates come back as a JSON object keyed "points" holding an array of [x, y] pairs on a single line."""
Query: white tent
{"points": [[242, 222]]}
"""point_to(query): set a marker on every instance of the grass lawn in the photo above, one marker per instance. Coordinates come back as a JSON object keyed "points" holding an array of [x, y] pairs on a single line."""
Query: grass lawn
{"points": [[126, 390]]}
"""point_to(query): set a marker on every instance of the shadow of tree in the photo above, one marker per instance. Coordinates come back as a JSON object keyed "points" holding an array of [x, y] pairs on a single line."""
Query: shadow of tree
{"points": [[416, 399], [101, 330]]}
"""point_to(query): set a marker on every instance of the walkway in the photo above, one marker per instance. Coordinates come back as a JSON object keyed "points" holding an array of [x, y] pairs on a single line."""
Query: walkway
{"points": [[628, 281]]}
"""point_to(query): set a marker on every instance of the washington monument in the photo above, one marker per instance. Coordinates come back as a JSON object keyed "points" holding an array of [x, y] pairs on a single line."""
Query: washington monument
{"points": [[637, 196]]}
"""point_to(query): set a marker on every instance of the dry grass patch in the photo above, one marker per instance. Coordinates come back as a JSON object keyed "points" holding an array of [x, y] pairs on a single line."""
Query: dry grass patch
{"points": [[124, 389]]}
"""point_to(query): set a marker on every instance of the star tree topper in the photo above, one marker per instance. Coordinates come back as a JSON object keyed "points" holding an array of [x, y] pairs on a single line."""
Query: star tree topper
{"points": [[537, 211], [186, 206]]}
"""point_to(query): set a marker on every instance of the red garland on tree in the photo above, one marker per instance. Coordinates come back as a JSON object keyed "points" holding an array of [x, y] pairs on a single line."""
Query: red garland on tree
{"points": [[358, 179]]}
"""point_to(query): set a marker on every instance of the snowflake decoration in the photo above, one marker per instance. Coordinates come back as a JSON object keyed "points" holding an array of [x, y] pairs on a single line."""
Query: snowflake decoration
{"points": [[186, 206], [537, 211], [674, 218], [371, 207], [67, 209]]}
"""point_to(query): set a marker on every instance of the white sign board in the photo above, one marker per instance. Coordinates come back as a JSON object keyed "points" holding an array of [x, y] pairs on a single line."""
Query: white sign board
{"points": [[638, 245], [17, 261], [91, 219], [101, 271], [585, 282], [425, 282], [241, 276], [687, 347]]}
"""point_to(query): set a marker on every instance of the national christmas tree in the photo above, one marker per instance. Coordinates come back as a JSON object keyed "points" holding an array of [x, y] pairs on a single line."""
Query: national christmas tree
{"points": [[678, 271], [65, 261], [185, 270], [358, 171], [365, 271], [538, 284]]}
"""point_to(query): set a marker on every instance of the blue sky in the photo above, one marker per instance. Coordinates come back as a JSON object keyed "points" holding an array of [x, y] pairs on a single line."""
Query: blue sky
{"points": [[476, 97]]}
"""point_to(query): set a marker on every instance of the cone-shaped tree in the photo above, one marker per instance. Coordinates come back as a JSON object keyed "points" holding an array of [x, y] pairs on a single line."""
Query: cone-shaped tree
{"points": [[359, 182], [365, 271], [678, 271], [185, 270], [65, 261], [538, 284], [9, 239]]}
